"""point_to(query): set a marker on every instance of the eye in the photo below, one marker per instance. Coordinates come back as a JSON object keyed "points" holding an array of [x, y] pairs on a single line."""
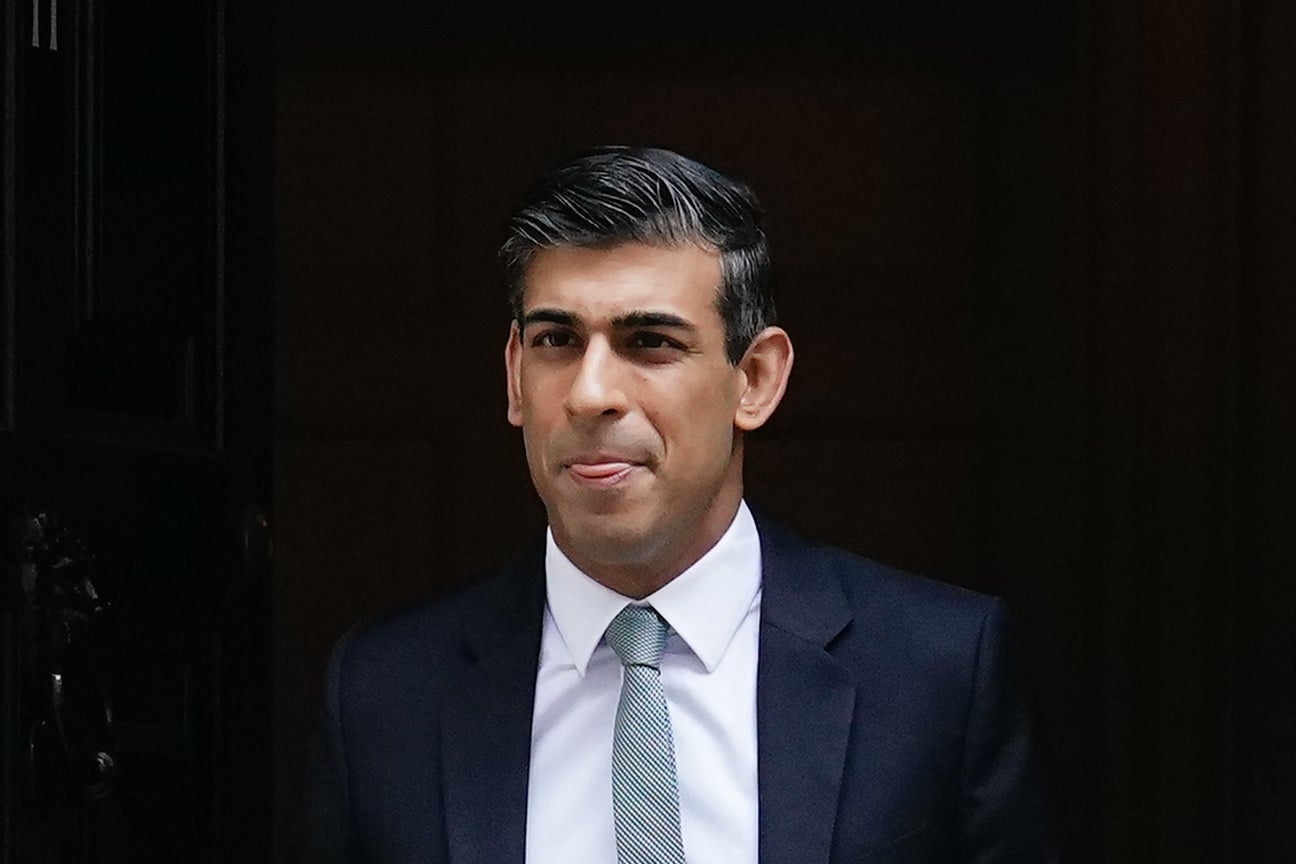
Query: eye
{"points": [[553, 339], [651, 341]]}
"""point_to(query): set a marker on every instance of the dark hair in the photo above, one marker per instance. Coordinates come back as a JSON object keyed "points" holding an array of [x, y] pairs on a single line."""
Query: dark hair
{"points": [[616, 195]]}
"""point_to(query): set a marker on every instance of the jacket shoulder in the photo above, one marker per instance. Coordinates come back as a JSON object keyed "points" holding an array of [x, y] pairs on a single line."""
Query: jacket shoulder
{"points": [[881, 600], [436, 638]]}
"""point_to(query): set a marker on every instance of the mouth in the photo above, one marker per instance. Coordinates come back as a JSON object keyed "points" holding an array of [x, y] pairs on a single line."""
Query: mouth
{"points": [[601, 472]]}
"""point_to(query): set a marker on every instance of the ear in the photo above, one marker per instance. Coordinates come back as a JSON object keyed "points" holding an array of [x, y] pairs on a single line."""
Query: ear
{"points": [[765, 369], [513, 373]]}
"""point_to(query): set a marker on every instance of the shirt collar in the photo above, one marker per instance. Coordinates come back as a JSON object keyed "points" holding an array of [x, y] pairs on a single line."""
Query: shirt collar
{"points": [[705, 604]]}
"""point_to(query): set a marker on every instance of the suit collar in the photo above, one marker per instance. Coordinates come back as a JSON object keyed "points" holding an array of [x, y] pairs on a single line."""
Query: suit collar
{"points": [[508, 606], [805, 700], [486, 721], [802, 597]]}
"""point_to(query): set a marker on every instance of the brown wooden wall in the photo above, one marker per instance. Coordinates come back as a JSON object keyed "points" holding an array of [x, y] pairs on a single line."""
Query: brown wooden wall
{"points": [[1036, 260]]}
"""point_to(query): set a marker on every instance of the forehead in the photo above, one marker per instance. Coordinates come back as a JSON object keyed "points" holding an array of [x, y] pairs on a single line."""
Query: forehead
{"points": [[602, 282]]}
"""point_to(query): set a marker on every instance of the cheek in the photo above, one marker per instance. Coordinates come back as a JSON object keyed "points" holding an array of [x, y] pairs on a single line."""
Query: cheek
{"points": [[535, 438], [703, 427]]}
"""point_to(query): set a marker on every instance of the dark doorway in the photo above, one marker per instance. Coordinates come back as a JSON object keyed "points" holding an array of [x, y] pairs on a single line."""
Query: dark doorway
{"points": [[134, 432]]}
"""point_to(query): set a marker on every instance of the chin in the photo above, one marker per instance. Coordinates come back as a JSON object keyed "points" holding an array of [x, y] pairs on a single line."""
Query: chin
{"points": [[611, 538]]}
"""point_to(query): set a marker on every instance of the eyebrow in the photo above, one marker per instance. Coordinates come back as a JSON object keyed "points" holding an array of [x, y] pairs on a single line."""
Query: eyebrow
{"points": [[628, 321], [549, 316]]}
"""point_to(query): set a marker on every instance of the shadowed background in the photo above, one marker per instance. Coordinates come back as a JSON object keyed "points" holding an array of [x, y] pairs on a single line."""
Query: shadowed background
{"points": [[1036, 262]]}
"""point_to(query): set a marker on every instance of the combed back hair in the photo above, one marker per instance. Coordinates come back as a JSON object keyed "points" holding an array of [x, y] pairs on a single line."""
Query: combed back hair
{"points": [[616, 195]]}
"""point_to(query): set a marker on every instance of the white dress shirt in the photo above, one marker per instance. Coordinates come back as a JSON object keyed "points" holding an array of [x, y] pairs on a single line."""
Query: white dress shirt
{"points": [[709, 675]]}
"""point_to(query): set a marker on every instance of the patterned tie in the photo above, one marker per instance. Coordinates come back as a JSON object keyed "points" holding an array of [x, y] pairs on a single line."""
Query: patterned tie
{"points": [[645, 797]]}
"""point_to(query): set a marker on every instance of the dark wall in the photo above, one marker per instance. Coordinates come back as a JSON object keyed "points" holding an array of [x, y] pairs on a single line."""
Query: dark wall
{"points": [[1036, 262]]}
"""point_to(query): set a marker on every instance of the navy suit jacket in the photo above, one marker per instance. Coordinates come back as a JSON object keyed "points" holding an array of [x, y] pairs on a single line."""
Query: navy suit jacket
{"points": [[890, 725]]}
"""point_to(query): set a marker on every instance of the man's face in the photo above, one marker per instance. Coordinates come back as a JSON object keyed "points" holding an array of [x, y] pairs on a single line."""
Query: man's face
{"points": [[619, 380]]}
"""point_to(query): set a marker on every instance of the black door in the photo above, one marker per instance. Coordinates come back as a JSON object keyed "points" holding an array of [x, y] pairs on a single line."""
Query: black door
{"points": [[134, 391]]}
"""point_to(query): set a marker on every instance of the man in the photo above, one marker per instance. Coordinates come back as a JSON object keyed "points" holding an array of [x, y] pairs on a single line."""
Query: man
{"points": [[668, 676]]}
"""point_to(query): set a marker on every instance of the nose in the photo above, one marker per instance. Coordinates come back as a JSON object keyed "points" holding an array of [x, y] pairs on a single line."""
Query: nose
{"points": [[596, 390]]}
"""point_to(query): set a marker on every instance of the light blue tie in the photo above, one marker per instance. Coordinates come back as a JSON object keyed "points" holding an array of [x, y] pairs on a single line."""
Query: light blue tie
{"points": [[645, 795]]}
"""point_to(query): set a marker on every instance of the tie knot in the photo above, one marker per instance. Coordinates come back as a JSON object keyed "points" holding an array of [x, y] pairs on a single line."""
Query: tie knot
{"points": [[638, 636]]}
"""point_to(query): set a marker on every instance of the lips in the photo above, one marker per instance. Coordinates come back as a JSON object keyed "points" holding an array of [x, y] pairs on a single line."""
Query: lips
{"points": [[600, 470]]}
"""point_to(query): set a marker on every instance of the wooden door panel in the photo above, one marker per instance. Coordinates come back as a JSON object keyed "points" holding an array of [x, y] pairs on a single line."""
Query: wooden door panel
{"points": [[133, 606], [147, 315], [121, 225]]}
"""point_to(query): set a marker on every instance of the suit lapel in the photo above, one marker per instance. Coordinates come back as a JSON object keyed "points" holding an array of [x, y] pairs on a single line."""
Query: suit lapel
{"points": [[486, 725], [804, 704]]}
